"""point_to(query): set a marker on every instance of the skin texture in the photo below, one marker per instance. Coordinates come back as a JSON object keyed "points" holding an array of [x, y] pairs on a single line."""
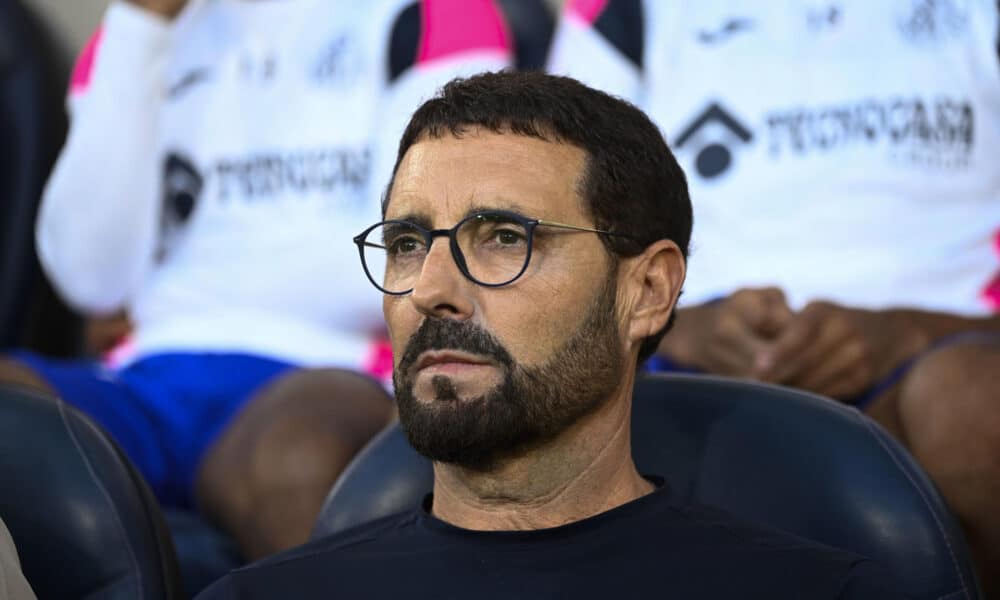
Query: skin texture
{"points": [[945, 410], [265, 478], [168, 9], [588, 468], [103, 333]]}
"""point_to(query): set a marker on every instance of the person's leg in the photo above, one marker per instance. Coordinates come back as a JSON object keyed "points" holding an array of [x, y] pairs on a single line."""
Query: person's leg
{"points": [[100, 395], [266, 476], [946, 410]]}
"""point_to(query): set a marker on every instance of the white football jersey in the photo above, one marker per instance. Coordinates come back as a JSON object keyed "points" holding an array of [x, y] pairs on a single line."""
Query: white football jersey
{"points": [[218, 166], [845, 151]]}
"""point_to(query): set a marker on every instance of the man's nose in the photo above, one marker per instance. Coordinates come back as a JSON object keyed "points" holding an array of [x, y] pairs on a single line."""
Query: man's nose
{"points": [[441, 290]]}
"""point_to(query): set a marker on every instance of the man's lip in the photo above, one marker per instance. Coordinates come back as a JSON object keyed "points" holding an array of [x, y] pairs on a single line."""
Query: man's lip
{"points": [[438, 357]]}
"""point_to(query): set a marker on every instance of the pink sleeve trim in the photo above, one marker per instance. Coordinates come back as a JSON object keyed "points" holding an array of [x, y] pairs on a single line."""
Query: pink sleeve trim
{"points": [[588, 10], [454, 26], [84, 68], [121, 353], [378, 362], [991, 293]]}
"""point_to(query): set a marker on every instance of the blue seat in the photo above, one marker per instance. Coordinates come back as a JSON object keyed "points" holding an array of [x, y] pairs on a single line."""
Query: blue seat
{"points": [[85, 523], [770, 454]]}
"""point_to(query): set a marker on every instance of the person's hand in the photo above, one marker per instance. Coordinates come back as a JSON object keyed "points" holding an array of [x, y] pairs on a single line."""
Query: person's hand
{"points": [[167, 9], [730, 336], [836, 351], [103, 333]]}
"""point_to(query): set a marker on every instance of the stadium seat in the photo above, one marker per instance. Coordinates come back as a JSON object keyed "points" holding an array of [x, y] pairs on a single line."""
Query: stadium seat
{"points": [[85, 524], [770, 454], [33, 75]]}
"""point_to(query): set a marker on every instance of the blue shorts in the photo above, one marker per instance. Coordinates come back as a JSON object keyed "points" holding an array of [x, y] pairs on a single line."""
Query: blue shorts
{"points": [[662, 364], [164, 410]]}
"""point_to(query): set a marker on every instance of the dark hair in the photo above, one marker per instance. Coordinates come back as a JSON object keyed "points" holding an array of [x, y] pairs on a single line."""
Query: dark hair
{"points": [[631, 182]]}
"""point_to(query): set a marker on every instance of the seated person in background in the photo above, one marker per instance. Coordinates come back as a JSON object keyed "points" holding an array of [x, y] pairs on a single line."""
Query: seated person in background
{"points": [[13, 585], [532, 251], [220, 152], [847, 206]]}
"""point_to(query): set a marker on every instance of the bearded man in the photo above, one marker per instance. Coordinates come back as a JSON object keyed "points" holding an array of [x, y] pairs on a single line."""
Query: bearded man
{"points": [[533, 247]]}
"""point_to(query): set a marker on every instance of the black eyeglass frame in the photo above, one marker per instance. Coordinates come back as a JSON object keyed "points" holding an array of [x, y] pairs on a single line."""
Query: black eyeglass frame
{"points": [[456, 252]]}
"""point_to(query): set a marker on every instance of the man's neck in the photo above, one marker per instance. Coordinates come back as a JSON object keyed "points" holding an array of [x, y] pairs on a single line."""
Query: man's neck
{"points": [[587, 470]]}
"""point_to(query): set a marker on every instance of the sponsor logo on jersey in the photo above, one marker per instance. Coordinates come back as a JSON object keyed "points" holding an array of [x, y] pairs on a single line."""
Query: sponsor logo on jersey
{"points": [[340, 63], [711, 139], [931, 21], [182, 185], [266, 175], [823, 19], [259, 67], [187, 81], [935, 133], [730, 28]]}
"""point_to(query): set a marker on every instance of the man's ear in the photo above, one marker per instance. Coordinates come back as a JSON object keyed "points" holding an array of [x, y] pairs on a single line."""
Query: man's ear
{"points": [[654, 279]]}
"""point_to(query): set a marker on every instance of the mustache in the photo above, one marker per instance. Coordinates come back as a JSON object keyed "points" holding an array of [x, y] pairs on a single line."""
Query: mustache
{"points": [[449, 334]]}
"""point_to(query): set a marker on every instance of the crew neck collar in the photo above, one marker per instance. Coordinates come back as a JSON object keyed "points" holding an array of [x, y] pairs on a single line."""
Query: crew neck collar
{"points": [[624, 511]]}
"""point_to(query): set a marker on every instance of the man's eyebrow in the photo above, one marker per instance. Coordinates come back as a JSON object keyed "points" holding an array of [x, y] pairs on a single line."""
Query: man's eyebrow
{"points": [[418, 219], [423, 220], [499, 204]]}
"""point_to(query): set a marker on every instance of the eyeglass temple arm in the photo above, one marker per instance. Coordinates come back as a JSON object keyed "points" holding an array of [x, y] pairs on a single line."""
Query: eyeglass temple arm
{"points": [[578, 228]]}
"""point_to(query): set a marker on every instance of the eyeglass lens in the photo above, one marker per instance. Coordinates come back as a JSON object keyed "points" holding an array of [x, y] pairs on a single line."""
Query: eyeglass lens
{"points": [[494, 248]]}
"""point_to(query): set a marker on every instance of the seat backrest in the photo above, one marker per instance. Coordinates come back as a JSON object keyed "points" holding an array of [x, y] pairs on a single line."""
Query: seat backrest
{"points": [[769, 454], [85, 523], [33, 75]]}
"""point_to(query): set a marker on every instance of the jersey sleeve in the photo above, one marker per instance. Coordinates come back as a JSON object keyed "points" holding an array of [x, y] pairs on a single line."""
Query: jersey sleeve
{"points": [[97, 224], [601, 43], [430, 43]]}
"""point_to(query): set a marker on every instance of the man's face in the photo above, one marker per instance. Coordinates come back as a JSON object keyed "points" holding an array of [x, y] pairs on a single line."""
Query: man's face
{"points": [[483, 374]]}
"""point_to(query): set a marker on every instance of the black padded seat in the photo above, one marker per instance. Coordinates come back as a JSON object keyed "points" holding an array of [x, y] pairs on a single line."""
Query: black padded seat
{"points": [[770, 454], [84, 521]]}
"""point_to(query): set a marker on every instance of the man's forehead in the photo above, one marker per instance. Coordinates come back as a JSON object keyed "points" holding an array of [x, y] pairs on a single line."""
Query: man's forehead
{"points": [[448, 177]]}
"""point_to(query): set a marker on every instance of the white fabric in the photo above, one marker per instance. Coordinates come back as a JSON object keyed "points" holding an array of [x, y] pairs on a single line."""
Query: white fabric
{"points": [[826, 200], [274, 105], [13, 585]]}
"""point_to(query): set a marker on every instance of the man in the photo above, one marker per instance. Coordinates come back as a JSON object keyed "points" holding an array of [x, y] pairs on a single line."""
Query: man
{"points": [[842, 162], [532, 251], [215, 147]]}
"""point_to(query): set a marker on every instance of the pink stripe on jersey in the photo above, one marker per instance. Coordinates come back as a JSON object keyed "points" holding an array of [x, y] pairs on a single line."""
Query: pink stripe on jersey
{"points": [[454, 26], [588, 10], [84, 68], [378, 362], [991, 293], [122, 352]]}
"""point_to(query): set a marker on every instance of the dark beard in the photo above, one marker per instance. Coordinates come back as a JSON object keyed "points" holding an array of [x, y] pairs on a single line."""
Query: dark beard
{"points": [[529, 407]]}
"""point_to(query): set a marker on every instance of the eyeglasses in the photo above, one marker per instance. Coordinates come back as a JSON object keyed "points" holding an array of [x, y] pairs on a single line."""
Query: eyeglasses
{"points": [[491, 248]]}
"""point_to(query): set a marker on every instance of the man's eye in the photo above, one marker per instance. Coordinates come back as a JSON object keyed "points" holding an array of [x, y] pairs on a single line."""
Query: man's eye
{"points": [[405, 245], [508, 237]]}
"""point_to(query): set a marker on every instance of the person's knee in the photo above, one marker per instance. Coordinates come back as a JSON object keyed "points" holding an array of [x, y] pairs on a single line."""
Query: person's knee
{"points": [[950, 410], [15, 372], [290, 443]]}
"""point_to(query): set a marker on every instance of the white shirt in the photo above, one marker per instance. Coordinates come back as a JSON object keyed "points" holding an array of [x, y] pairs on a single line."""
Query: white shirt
{"points": [[218, 166], [843, 151]]}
